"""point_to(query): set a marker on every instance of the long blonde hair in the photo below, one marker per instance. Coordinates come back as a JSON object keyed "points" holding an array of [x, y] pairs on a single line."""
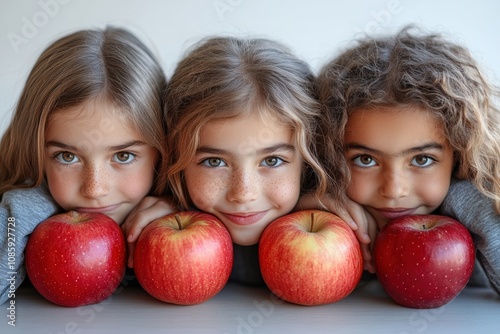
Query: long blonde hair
{"points": [[224, 77], [425, 70], [110, 64]]}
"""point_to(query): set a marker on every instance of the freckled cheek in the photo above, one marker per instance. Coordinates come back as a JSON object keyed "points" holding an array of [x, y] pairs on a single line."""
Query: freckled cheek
{"points": [[205, 191], [283, 191]]}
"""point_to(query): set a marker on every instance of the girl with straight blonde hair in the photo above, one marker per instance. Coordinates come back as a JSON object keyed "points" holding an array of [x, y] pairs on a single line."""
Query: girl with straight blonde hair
{"points": [[87, 135]]}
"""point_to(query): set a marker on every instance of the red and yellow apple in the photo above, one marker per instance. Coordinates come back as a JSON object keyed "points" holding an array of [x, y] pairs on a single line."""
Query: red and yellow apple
{"points": [[310, 257], [184, 258], [75, 259], [423, 261]]}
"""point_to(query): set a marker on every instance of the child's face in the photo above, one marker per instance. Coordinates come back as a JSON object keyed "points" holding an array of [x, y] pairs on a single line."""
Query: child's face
{"points": [[247, 172], [400, 162], [95, 162]]}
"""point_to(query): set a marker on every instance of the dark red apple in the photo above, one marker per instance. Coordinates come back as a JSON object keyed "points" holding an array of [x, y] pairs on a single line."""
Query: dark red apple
{"points": [[424, 261], [184, 258], [310, 257], [75, 259]]}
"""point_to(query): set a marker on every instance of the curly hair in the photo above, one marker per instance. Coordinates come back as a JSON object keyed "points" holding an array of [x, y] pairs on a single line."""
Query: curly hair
{"points": [[224, 77], [424, 70]]}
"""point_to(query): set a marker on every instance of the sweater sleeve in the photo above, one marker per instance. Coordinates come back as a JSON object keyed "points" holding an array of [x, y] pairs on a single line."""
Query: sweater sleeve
{"points": [[21, 210], [468, 205]]}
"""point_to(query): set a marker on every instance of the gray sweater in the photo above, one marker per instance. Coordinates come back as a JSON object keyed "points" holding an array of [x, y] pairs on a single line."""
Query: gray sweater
{"points": [[21, 210], [473, 209]]}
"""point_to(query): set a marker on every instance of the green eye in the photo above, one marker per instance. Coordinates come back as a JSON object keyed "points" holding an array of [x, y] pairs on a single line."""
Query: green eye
{"points": [[213, 162], [272, 162]]}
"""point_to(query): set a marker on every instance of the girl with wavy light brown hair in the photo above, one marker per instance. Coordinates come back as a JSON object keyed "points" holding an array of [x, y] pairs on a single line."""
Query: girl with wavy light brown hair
{"points": [[242, 119]]}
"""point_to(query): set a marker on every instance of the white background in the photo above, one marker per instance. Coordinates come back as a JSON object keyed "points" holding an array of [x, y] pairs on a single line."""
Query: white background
{"points": [[314, 29]]}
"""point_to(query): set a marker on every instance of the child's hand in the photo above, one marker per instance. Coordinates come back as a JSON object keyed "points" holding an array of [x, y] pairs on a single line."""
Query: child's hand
{"points": [[149, 209], [309, 202], [366, 230], [361, 222]]}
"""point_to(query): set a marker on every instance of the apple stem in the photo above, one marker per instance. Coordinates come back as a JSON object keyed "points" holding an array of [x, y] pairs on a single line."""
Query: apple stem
{"points": [[424, 227], [312, 221], [178, 220]]}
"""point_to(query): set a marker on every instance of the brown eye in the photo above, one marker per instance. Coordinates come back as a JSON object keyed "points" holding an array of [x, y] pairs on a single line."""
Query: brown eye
{"points": [[364, 161], [124, 157], [422, 161], [66, 158]]}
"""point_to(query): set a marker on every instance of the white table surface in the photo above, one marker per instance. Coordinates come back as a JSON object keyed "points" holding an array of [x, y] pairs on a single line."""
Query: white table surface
{"points": [[243, 309]]}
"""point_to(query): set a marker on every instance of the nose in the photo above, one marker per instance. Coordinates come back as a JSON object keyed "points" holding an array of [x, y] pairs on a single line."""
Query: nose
{"points": [[244, 186], [394, 184], [95, 181]]}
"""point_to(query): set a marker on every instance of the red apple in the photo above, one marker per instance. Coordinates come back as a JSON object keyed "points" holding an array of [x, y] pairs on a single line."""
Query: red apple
{"points": [[184, 258], [310, 257], [423, 261], [75, 259]]}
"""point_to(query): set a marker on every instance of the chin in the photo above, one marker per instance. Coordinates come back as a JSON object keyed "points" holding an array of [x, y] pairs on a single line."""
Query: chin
{"points": [[117, 218], [244, 241]]}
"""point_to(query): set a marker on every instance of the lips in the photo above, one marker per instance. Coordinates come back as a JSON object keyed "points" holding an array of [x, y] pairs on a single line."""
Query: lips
{"points": [[102, 209], [245, 218], [391, 214]]}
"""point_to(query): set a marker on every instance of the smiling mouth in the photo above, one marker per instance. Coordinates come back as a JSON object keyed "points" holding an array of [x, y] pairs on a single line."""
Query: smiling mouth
{"points": [[102, 209], [245, 218]]}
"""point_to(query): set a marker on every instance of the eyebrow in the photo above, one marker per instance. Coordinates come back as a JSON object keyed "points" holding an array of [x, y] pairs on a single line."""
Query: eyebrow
{"points": [[54, 143], [411, 150], [267, 150]]}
